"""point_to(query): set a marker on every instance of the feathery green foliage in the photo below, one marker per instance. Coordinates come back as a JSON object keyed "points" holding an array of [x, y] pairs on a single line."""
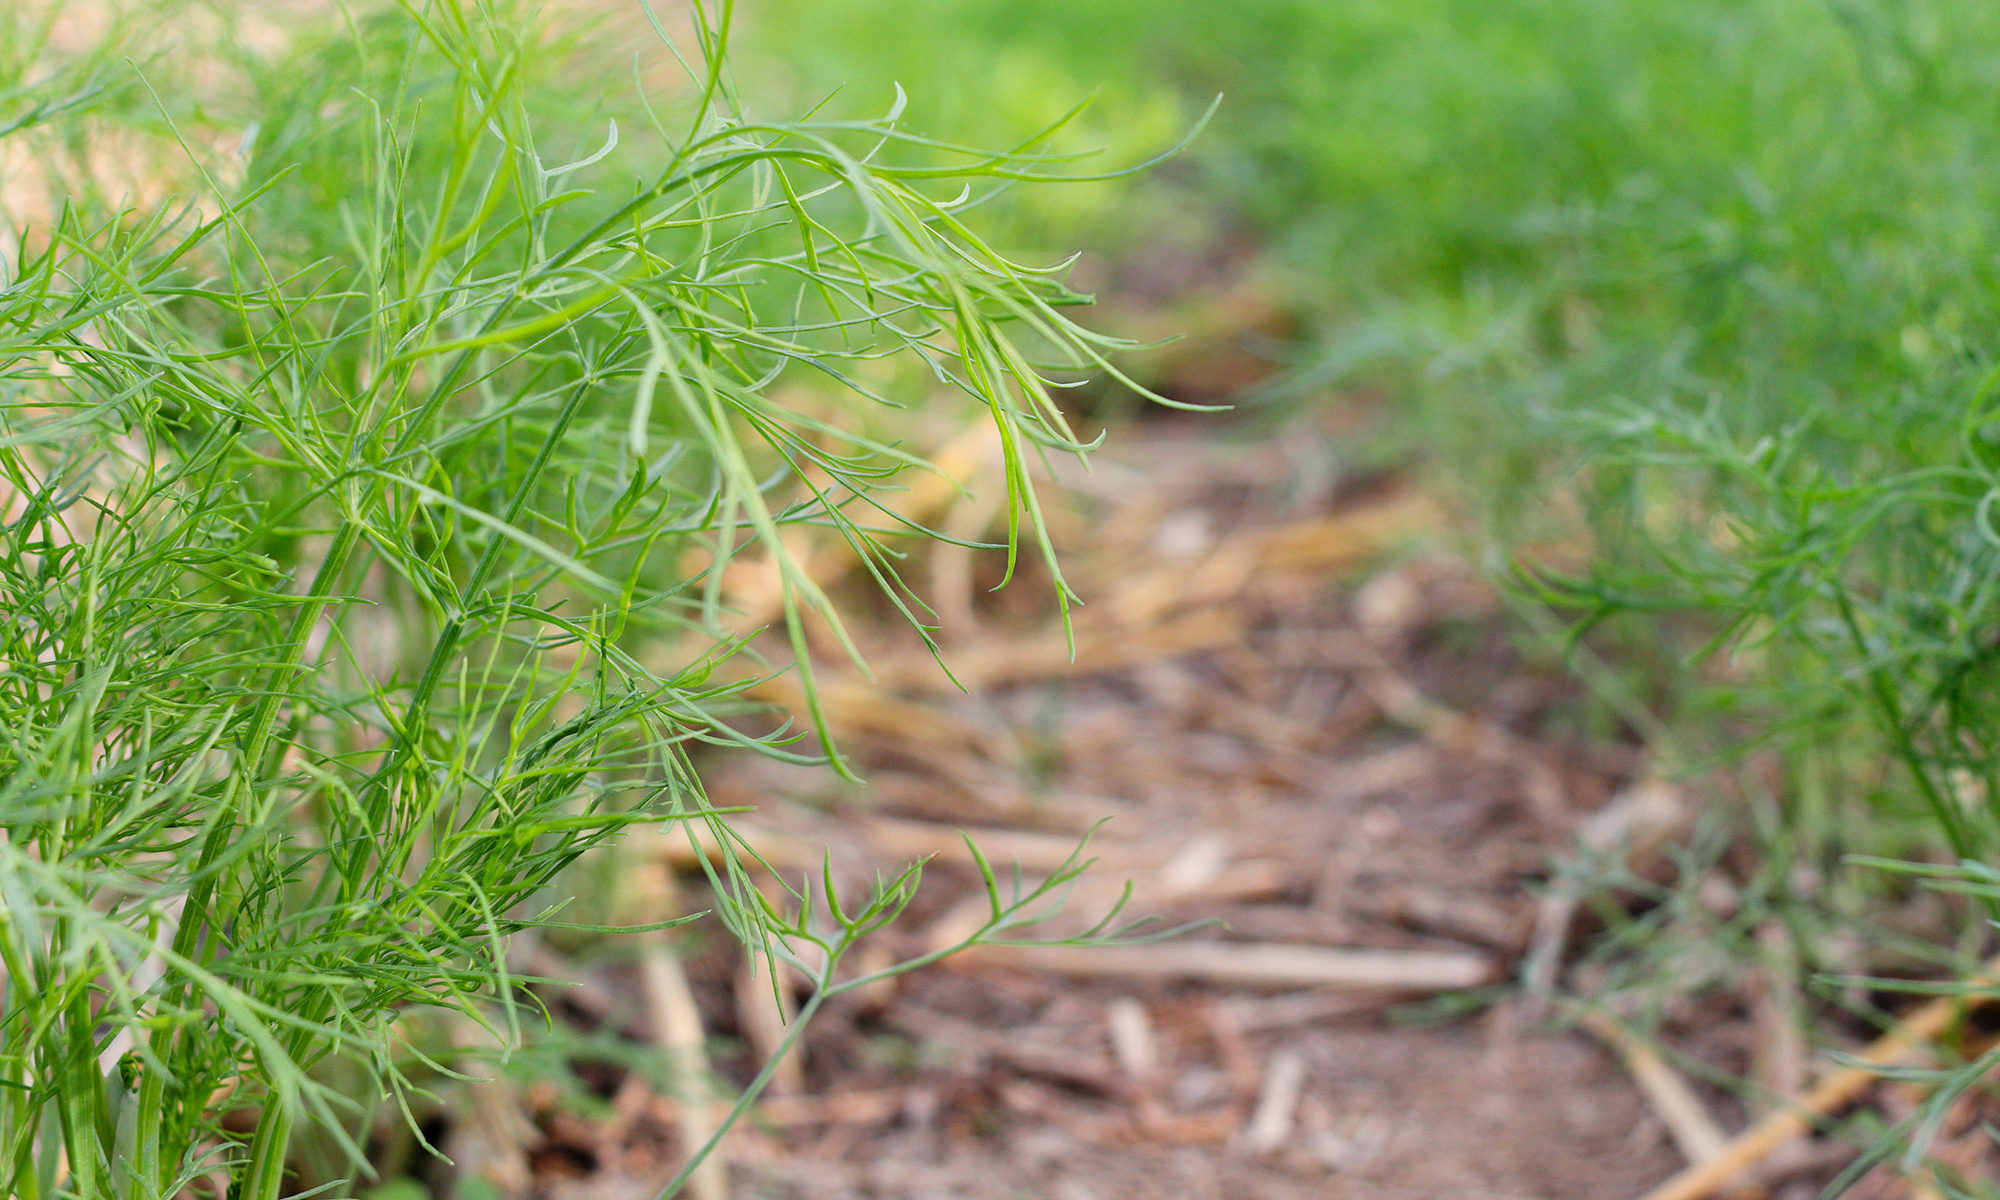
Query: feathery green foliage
{"points": [[348, 485]]}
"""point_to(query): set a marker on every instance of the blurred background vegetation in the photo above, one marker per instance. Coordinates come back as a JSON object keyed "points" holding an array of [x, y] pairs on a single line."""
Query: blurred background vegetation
{"points": [[1699, 295]]}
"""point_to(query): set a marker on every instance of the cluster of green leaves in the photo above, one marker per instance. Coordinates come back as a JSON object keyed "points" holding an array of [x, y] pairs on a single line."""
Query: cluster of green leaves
{"points": [[348, 497]]}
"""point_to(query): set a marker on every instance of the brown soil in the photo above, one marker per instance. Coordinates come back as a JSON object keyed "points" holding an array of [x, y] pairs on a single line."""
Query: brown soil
{"points": [[1273, 748], [1302, 717]]}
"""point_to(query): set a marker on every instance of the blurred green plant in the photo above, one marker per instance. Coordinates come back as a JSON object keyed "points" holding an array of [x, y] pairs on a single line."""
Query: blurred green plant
{"points": [[1703, 293], [350, 468]]}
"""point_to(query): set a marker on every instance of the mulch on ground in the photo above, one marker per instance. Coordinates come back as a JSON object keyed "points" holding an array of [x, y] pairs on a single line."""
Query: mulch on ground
{"points": [[1294, 712]]}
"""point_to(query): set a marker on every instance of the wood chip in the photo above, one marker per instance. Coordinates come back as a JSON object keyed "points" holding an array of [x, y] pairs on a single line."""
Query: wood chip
{"points": [[1271, 1121], [1132, 1041]]}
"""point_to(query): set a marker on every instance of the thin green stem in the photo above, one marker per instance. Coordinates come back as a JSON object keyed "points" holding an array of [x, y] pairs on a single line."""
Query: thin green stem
{"points": [[748, 1097]]}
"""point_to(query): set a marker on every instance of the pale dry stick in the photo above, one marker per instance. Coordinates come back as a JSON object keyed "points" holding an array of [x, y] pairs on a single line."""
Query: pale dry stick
{"points": [[1271, 1121], [502, 1130], [1255, 964], [784, 851], [677, 1028], [1199, 869], [1433, 908], [1343, 539], [1348, 538], [1039, 853], [1132, 1040], [1840, 1087], [1000, 795], [765, 1013], [903, 840], [856, 706], [676, 1021], [1688, 1122]]}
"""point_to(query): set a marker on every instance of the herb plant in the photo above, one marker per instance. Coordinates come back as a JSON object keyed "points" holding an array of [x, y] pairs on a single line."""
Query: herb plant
{"points": [[366, 489]]}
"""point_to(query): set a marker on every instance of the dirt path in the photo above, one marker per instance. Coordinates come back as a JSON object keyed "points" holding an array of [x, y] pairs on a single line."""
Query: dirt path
{"points": [[1300, 718], [1295, 714]]}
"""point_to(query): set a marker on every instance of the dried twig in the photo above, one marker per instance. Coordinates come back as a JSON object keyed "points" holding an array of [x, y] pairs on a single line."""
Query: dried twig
{"points": [[1687, 1120], [1900, 1046], [675, 1023], [1321, 544], [1099, 647], [902, 840], [764, 1011], [677, 1028]]}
